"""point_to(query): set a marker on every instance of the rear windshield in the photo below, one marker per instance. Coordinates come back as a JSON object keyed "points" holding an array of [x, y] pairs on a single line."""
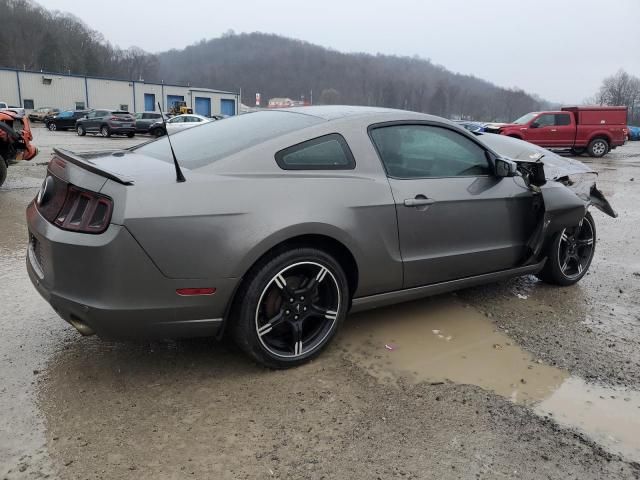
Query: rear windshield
{"points": [[204, 144], [120, 114]]}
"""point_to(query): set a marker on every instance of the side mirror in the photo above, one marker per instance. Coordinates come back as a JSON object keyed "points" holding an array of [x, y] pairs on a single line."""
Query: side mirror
{"points": [[505, 168], [534, 125]]}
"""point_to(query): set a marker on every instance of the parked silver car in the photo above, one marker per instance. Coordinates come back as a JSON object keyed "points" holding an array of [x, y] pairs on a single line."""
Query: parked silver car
{"points": [[288, 219]]}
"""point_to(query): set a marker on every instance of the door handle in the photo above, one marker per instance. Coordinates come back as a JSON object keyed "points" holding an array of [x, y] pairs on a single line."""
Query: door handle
{"points": [[419, 201]]}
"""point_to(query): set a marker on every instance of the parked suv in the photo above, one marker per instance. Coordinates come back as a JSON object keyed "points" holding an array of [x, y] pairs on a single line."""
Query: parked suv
{"points": [[40, 114], [107, 123], [64, 120], [145, 120]]}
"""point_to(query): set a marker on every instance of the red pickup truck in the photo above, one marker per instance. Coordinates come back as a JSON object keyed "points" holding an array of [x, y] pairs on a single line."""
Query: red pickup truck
{"points": [[595, 130]]}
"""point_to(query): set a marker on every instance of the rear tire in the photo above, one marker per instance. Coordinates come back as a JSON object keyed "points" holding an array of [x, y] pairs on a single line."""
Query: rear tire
{"points": [[105, 131], [598, 147], [3, 171], [81, 131], [290, 307], [570, 253]]}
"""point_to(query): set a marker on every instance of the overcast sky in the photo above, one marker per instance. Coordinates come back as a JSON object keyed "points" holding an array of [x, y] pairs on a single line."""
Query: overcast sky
{"points": [[559, 49]]}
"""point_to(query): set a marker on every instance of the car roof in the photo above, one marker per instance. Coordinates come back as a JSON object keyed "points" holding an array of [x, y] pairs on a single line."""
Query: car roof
{"points": [[336, 112]]}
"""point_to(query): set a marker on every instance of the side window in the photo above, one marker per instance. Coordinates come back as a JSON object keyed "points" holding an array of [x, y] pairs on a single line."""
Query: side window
{"points": [[139, 116], [329, 152], [176, 120], [546, 120], [91, 114], [424, 151], [562, 119]]}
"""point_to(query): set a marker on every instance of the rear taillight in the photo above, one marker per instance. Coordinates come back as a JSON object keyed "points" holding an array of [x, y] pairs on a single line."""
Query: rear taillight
{"points": [[84, 211]]}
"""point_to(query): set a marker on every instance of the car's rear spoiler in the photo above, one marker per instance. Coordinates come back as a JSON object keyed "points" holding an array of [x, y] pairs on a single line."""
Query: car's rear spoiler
{"points": [[87, 164]]}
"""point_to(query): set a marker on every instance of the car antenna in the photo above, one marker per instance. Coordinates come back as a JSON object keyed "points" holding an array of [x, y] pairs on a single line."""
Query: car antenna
{"points": [[179, 176]]}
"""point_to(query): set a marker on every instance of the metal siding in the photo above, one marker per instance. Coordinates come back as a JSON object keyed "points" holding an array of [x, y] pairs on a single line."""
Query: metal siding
{"points": [[63, 92], [66, 90], [170, 91], [9, 87], [142, 89], [110, 94]]}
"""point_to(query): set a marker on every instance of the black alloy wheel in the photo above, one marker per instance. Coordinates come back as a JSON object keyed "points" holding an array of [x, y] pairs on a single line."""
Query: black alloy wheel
{"points": [[291, 307], [570, 253]]}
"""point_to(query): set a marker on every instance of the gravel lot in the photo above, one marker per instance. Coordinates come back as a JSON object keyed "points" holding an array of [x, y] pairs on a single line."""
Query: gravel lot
{"points": [[510, 380]]}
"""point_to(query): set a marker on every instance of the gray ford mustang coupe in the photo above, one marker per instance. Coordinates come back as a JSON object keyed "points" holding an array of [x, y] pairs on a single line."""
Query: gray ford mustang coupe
{"points": [[273, 225]]}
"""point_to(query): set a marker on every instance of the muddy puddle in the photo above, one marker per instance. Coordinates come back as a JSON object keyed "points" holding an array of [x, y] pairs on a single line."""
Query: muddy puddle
{"points": [[443, 340]]}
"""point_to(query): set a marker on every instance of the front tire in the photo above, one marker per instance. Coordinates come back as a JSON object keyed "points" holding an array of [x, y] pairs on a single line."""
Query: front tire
{"points": [[131, 135], [598, 147], [52, 127], [570, 253], [290, 307], [3, 170], [80, 130]]}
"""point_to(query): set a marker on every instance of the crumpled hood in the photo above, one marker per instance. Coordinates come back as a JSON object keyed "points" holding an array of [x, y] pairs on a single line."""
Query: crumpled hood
{"points": [[555, 166], [574, 174]]}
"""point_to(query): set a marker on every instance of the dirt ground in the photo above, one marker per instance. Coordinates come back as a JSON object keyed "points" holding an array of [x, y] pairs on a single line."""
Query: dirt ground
{"points": [[510, 380]]}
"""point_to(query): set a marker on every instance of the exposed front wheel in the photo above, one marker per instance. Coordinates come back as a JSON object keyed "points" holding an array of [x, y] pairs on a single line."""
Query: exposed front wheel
{"points": [[131, 135], [290, 308], [598, 147], [157, 132], [52, 126], [80, 130], [570, 253]]}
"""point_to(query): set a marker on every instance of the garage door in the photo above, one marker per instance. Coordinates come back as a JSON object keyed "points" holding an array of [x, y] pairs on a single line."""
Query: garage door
{"points": [[228, 107], [171, 99], [203, 106], [149, 102]]}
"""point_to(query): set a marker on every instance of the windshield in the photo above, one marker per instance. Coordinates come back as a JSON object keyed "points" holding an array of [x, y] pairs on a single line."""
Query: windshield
{"points": [[211, 141], [525, 118]]}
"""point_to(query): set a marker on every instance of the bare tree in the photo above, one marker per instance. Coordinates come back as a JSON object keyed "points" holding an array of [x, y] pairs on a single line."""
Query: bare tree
{"points": [[621, 89]]}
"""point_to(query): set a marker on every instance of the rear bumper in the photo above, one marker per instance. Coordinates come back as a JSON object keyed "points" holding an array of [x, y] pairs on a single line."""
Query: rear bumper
{"points": [[106, 284], [117, 130]]}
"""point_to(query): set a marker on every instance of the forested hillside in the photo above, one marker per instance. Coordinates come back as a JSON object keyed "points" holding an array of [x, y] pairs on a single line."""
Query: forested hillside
{"points": [[34, 38]]}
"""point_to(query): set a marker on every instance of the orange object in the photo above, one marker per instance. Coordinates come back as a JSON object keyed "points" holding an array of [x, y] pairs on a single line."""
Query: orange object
{"points": [[16, 137]]}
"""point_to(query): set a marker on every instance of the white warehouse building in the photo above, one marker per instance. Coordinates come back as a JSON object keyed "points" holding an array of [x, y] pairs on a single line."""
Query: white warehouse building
{"points": [[32, 90]]}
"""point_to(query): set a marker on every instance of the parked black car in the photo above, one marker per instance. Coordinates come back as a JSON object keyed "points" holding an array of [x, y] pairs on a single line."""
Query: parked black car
{"points": [[157, 129], [64, 120], [144, 121], [107, 123]]}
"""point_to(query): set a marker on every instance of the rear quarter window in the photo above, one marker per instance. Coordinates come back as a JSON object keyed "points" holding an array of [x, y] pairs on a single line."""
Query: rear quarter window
{"points": [[211, 141], [329, 152]]}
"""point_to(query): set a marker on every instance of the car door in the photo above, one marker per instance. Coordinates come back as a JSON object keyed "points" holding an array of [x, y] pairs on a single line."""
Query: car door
{"points": [[90, 121], [565, 130], [455, 217], [542, 130], [175, 124]]}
